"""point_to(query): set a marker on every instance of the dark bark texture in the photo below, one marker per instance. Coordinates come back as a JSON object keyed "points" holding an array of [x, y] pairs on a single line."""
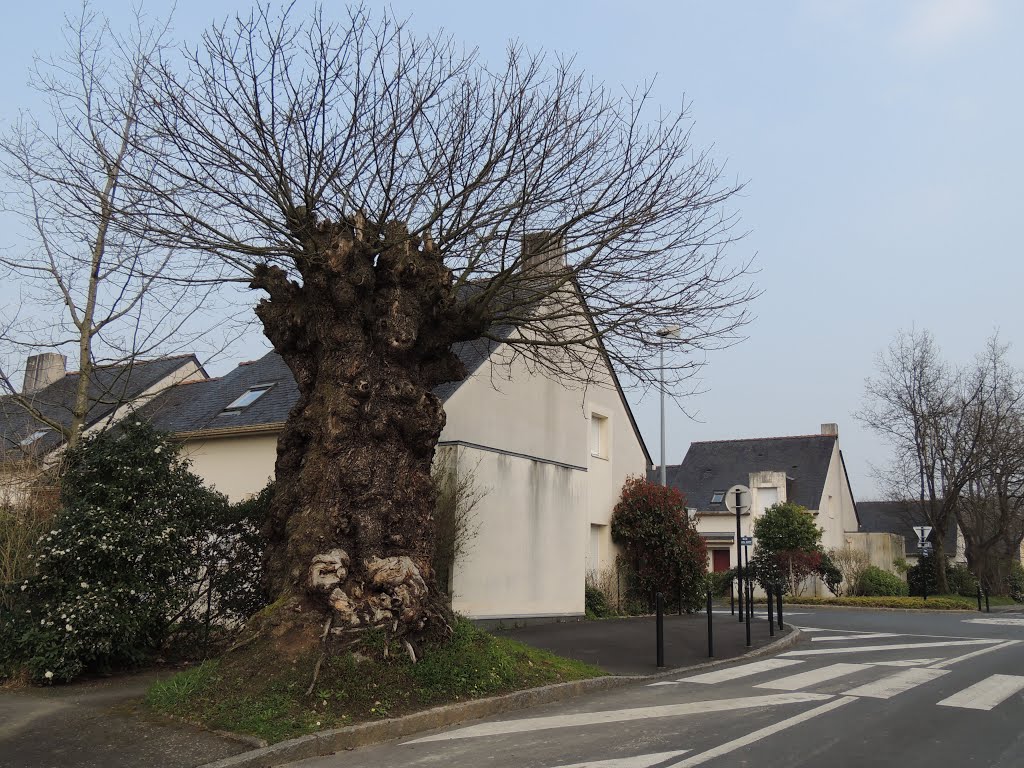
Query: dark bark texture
{"points": [[368, 335]]}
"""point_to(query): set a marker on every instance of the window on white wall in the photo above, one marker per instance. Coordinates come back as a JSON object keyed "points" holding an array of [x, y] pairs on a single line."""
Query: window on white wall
{"points": [[599, 435]]}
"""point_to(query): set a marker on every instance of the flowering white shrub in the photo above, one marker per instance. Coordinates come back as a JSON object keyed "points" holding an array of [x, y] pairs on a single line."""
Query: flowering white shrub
{"points": [[119, 563]]}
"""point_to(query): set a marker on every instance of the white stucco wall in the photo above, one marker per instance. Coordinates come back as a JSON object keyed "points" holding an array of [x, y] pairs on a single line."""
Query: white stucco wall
{"points": [[527, 555], [518, 411], [238, 466]]}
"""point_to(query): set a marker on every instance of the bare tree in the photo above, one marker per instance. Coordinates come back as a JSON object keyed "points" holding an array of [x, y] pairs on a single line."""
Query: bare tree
{"points": [[927, 412], [851, 563], [90, 285], [394, 195], [991, 507]]}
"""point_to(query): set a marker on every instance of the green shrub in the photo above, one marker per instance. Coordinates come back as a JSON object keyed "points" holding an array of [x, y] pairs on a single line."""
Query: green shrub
{"points": [[119, 562], [721, 581], [916, 603], [961, 581], [662, 550], [597, 603], [875, 582], [923, 572]]}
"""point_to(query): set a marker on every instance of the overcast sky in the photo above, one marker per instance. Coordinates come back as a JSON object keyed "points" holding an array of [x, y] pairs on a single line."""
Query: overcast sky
{"points": [[881, 143]]}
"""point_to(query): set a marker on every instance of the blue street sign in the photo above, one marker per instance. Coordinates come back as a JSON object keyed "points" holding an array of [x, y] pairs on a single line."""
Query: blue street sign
{"points": [[747, 541]]}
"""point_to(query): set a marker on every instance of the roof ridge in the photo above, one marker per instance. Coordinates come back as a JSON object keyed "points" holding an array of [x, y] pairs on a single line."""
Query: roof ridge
{"points": [[751, 439]]}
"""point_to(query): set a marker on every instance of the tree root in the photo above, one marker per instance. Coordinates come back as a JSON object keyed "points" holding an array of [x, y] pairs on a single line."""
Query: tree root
{"points": [[244, 642], [316, 674]]}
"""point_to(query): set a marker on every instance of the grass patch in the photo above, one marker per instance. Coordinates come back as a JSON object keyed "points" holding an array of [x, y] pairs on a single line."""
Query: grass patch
{"points": [[943, 603], [256, 693]]}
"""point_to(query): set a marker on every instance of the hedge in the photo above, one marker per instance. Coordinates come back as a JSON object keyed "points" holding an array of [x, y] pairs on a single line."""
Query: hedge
{"points": [[934, 603]]}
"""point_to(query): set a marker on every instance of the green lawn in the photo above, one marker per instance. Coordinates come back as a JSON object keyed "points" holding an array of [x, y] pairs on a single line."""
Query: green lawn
{"points": [[255, 692]]}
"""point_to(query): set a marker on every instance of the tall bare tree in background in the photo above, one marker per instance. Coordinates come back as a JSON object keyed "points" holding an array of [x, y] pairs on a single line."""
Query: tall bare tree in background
{"points": [[72, 174], [927, 412], [991, 507], [379, 187]]}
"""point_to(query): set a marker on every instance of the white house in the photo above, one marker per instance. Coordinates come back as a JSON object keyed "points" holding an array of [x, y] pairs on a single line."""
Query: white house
{"points": [[28, 443], [552, 459], [806, 469]]}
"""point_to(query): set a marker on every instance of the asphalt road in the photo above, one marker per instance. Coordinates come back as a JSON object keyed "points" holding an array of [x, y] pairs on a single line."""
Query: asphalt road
{"points": [[861, 689]]}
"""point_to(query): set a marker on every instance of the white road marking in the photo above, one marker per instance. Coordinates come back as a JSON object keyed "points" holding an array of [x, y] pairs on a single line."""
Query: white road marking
{"points": [[1001, 621], [964, 657], [620, 716], [639, 761], [893, 647], [813, 677], [756, 736], [989, 693], [739, 670], [896, 684], [904, 663], [868, 636]]}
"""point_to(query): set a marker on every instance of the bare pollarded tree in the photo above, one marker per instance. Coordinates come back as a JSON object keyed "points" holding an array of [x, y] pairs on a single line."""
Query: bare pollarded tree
{"points": [[394, 195], [72, 174]]}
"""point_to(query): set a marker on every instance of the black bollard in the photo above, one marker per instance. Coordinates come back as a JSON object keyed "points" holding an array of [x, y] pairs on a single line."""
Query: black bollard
{"points": [[711, 635], [750, 608], [987, 609], [680, 595], [771, 616], [732, 600], [778, 605], [979, 597], [659, 605]]}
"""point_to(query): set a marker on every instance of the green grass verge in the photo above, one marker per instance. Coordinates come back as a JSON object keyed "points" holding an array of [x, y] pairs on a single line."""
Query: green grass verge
{"points": [[255, 693], [943, 603]]}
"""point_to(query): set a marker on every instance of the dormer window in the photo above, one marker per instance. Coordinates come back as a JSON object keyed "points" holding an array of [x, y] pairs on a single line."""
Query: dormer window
{"points": [[32, 438], [247, 398], [718, 497]]}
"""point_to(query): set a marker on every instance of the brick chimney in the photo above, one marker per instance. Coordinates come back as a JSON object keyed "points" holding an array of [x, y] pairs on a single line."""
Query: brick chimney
{"points": [[830, 429], [42, 370]]}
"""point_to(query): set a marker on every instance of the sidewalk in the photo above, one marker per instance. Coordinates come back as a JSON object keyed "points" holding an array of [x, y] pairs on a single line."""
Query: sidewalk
{"points": [[627, 646], [96, 724]]}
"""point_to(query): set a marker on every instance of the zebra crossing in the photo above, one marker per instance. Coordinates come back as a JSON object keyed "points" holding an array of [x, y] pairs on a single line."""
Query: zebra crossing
{"points": [[875, 674]]}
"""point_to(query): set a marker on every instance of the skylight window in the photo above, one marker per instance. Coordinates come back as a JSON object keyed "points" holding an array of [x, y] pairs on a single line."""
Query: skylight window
{"points": [[248, 397], [718, 497], [32, 438]]}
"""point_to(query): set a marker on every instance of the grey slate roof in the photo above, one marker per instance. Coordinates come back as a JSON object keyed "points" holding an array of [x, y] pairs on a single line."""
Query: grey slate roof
{"points": [[110, 387], [900, 517], [719, 464], [199, 406]]}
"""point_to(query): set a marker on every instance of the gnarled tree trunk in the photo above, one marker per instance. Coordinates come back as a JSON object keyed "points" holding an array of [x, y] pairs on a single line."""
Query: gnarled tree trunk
{"points": [[368, 335]]}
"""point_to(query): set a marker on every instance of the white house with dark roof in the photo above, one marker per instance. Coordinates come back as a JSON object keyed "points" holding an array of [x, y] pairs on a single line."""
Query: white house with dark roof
{"points": [[550, 458], [806, 469], [28, 443]]}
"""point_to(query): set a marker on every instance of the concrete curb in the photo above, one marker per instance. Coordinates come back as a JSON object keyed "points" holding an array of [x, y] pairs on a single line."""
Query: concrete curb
{"points": [[339, 739], [894, 610]]}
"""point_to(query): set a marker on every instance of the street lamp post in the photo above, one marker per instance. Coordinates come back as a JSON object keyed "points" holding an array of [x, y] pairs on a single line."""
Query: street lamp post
{"points": [[668, 332]]}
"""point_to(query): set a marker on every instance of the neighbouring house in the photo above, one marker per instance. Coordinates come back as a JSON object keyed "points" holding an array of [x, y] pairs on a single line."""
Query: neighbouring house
{"points": [[900, 517], [550, 458], [806, 469], [28, 440]]}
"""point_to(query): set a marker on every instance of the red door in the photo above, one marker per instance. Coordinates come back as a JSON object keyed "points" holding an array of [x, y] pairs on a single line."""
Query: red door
{"points": [[719, 560]]}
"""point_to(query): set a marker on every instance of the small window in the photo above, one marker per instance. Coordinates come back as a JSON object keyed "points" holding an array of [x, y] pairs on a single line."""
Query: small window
{"points": [[718, 497], [248, 397], [32, 438], [599, 436]]}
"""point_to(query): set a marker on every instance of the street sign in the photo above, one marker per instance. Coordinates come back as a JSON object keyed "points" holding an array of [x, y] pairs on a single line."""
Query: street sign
{"points": [[923, 532], [737, 497], [747, 541]]}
